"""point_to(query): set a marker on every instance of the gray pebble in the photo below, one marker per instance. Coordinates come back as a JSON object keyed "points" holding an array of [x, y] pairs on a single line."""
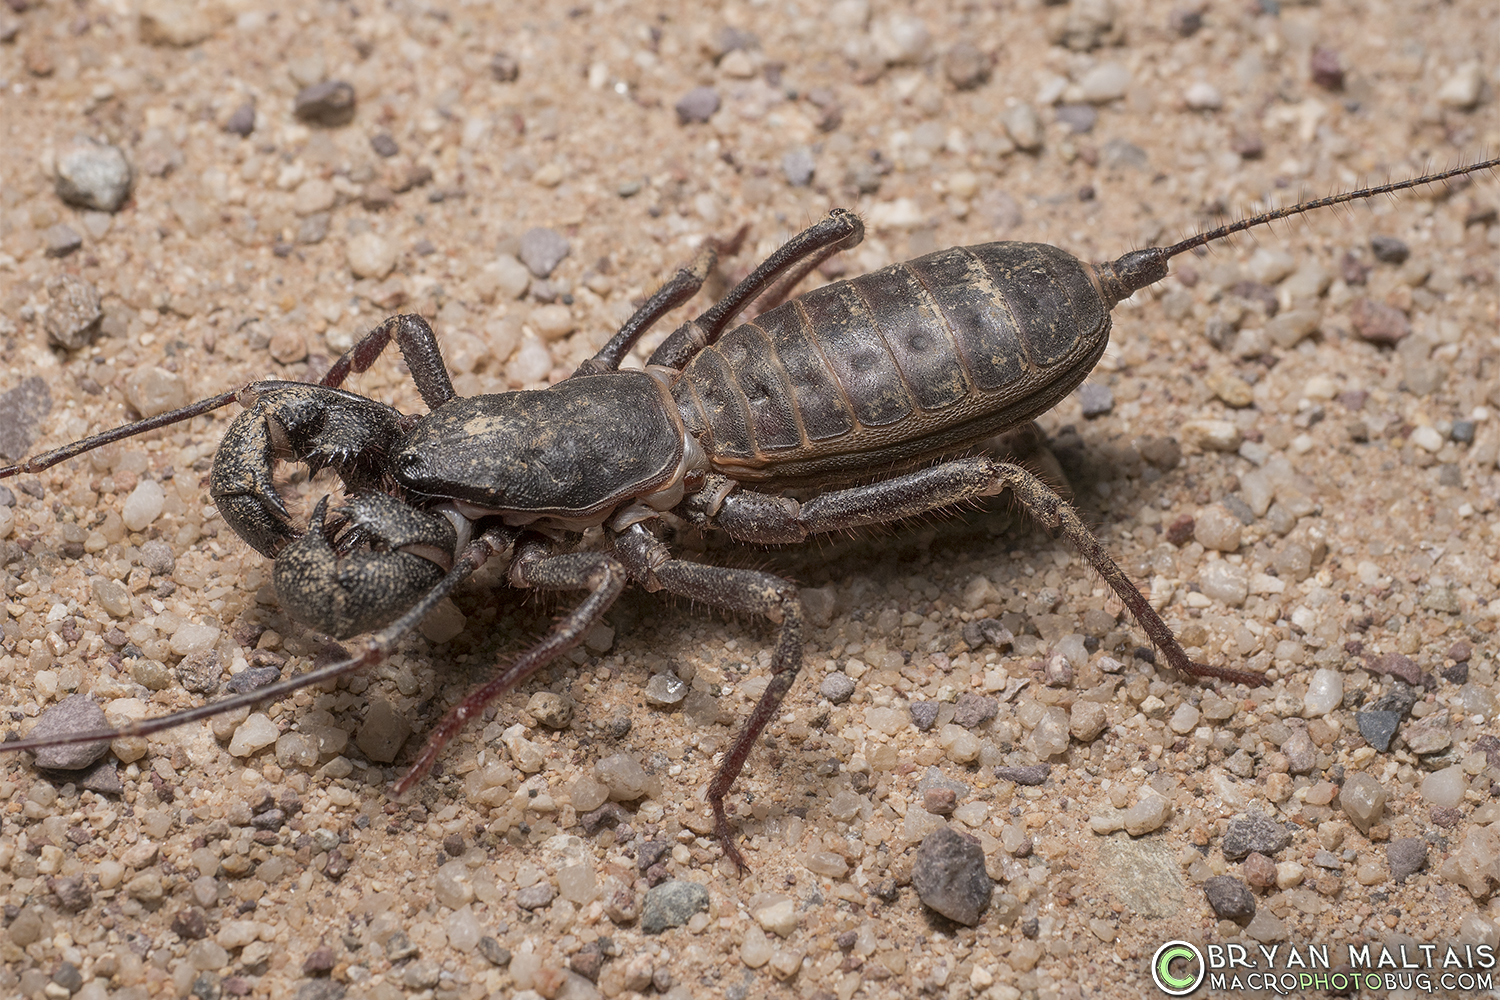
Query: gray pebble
{"points": [[93, 175], [1237, 506], [672, 904], [384, 145], [1254, 832], [103, 778], [75, 714], [932, 778], [253, 678], [1327, 859], [74, 312], [924, 714], [504, 67], [1389, 249], [965, 66], [1230, 898], [68, 977], [190, 924], [649, 852], [949, 876], [697, 105], [421, 975], [242, 120], [974, 710], [987, 632], [1463, 431], [1407, 856], [73, 895], [329, 103], [1030, 774], [550, 709], [1120, 153], [1301, 754], [494, 952], [157, 556], [542, 250], [798, 166], [312, 989], [399, 947], [61, 240], [837, 688], [665, 690], [534, 897], [200, 672], [1078, 117], [314, 229], [1096, 399]]}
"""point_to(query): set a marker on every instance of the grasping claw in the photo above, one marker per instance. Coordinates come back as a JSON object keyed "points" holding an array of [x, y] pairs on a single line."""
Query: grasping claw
{"points": [[364, 571]]}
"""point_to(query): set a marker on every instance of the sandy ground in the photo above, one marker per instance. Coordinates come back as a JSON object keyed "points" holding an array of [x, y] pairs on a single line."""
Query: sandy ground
{"points": [[1359, 479]]}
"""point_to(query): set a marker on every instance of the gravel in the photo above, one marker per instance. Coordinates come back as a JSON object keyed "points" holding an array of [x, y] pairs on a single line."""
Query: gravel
{"points": [[75, 714], [672, 904]]}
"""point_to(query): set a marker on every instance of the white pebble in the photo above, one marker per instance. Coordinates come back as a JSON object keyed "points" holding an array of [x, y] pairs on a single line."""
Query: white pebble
{"points": [[553, 322], [777, 914], [1225, 582], [1204, 96], [1211, 435], [755, 950], [1104, 83], [370, 256], [190, 638], [960, 745], [464, 930], [511, 277], [1320, 387], [1324, 693], [1147, 815], [1445, 788], [526, 755], [1464, 88], [143, 505], [1184, 720], [1427, 438], [255, 733], [1216, 528], [529, 364]]}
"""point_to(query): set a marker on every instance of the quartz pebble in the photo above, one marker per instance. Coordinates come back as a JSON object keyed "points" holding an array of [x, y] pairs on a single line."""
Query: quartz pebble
{"points": [[1445, 789], [542, 249], [776, 913], [370, 256], [383, 732], [665, 690], [1325, 692], [623, 775], [1363, 800], [255, 733]]}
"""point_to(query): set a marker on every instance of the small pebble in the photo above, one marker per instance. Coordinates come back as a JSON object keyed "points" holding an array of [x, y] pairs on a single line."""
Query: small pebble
{"points": [[144, 505], [839, 688], [1203, 96], [1254, 832], [1445, 788], [798, 164], [330, 103], [1406, 856], [241, 120], [1211, 435], [949, 876], [1377, 322], [93, 175], [1363, 799], [74, 312], [255, 733], [924, 714], [1325, 692], [382, 733], [973, 710], [623, 775], [1096, 399], [77, 713], [672, 904], [966, 66], [370, 256], [1030, 774], [1230, 898], [1023, 125], [536, 896], [1147, 815], [755, 947], [1079, 118], [550, 709], [697, 105], [1105, 82], [1216, 528], [665, 690], [542, 250], [1464, 88]]}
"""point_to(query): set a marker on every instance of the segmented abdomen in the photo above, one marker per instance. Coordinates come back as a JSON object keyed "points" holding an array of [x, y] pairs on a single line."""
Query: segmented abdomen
{"points": [[895, 366]]}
